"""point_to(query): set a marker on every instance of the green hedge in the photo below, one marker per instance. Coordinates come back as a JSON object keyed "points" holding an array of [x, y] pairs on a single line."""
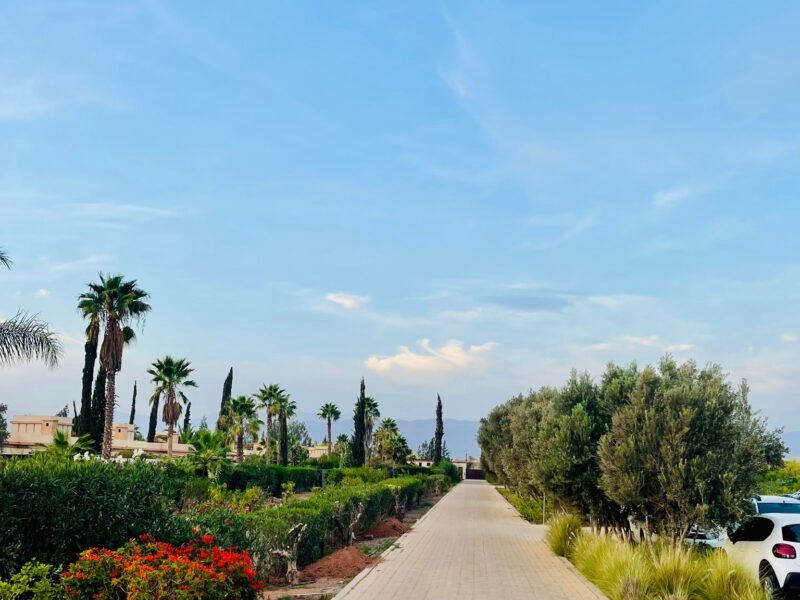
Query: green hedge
{"points": [[351, 475], [270, 478], [51, 509], [529, 509], [327, 515]]}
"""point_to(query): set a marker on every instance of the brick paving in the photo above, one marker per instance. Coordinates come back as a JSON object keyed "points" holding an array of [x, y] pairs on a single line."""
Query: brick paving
{"points": [[471, 546]]}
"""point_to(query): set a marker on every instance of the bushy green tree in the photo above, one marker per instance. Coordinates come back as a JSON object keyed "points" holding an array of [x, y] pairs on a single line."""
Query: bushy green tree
{"points": [[687, 448]]}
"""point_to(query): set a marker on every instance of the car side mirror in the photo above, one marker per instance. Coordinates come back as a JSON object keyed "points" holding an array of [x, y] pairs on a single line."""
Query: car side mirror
{"points": [[731, 535]]}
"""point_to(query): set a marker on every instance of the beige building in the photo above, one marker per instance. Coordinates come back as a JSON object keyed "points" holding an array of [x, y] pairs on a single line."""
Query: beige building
{"points": [[461, 464], [32, 433]]}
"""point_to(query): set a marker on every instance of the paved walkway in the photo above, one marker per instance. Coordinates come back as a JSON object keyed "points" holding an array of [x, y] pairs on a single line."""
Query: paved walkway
{"points": [[471, 546]]}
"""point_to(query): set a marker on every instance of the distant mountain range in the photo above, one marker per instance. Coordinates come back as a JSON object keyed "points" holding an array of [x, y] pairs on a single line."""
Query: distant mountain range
{"points": [[458, 435], [792, 440]]}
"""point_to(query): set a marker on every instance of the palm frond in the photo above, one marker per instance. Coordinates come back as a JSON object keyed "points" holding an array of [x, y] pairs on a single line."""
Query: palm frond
{"points": [[5, 259], [24, 337]]}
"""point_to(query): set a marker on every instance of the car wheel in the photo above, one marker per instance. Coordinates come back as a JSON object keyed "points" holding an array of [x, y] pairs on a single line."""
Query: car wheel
{"points": [[769, 583]]}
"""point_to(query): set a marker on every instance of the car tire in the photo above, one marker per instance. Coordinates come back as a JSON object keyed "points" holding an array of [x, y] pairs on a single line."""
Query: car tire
{"points": [[769, 583]]}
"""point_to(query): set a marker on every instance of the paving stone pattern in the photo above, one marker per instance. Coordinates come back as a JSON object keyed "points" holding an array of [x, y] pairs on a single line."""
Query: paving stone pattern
{"points": [[471, 546]]}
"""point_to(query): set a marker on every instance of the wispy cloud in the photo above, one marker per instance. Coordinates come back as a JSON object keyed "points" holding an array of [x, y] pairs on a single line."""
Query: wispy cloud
{"points": [[349, 301], [80, 263], [31, 96], [451, 357], [41, 293], [110, 211], [789, 337], [557, 229], [673, 196]]}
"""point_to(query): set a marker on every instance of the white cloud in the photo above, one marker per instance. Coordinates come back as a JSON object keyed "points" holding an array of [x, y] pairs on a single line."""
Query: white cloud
{"points": [[627, 341], [673, 348], [452, 356], [349, 301], [669, 197], [789, 337], [42, 293]]}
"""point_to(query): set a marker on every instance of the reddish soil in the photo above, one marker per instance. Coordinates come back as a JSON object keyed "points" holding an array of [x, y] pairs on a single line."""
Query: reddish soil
{"points": [[388, 527], [342, 563]]}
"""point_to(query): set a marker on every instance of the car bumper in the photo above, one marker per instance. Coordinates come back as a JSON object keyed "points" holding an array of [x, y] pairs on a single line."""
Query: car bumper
{"points": [[792, 582]]}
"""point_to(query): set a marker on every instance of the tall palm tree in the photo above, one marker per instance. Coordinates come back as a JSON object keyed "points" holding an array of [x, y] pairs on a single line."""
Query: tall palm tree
{"points": [[170, 375], [267, 398], [90, 305], [123, 303], [330, 412], [371, 414], [240, 419], [285, 408], [24, 337]]}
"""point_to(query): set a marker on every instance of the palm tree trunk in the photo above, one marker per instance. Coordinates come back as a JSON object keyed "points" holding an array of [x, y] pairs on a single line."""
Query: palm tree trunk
{"points": [[84, 424], [240, 447], [170, 430], [108, 423], [330, 444], [269, 441]]}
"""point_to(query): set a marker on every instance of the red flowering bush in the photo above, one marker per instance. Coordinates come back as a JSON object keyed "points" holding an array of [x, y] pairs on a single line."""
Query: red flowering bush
{"points": [[147, 569]]}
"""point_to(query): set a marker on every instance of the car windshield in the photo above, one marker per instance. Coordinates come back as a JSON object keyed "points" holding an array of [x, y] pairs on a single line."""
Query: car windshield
{"points": [[778, 507]]}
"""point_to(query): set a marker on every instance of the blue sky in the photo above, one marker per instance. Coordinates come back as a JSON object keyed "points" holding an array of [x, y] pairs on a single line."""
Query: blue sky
{"points": [[463, 198]]}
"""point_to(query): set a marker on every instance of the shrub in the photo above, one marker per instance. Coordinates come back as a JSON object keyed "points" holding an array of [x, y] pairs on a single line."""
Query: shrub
{"points": [[452, 471], [256, 472], [35, 580], [783, 480], [561, 534], [354, 475], [529, 508], [146, 568], [51, 509], [325, 462]]}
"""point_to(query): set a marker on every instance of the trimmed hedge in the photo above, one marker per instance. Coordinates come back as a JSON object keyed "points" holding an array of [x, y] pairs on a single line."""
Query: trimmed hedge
{"points": [[327, 515], [351, 475], [52, 509], [270, 478]]}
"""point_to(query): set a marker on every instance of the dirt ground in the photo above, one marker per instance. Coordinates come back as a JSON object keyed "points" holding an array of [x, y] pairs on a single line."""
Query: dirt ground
{"points": [[324, 578]]}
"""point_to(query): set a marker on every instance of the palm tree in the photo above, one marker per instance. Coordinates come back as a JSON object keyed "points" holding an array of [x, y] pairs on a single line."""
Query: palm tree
{"points": [[285, 409], [170, 375], [383, 436], [186, 435], [241, 419], [122, 303], [24, 337], [61, 445], [330, 412], [209, 452], [90, 305], [267, 398], [371, 414]]}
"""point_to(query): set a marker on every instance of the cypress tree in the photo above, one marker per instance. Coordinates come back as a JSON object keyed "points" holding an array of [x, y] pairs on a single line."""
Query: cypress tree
{"points": [[439, 435], [227, 388], [98, 408], [360, 428], [186, 419], [133, 404], [151, 428]]}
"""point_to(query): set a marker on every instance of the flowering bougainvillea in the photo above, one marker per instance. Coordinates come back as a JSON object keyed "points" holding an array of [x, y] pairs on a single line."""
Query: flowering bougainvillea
{"points": [[149, 569]]}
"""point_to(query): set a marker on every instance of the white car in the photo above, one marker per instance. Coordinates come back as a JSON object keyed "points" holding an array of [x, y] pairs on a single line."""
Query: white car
{"points": [[768, 545], [776, 504]]}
